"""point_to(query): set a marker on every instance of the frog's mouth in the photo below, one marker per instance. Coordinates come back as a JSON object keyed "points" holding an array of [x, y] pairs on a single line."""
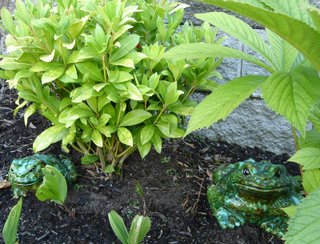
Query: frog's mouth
{"points": [[262, 192], [28, 183]]}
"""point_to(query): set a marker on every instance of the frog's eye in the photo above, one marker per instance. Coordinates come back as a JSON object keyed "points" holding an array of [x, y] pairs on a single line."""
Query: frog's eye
{"points": [[246, 171], [277, 173]]}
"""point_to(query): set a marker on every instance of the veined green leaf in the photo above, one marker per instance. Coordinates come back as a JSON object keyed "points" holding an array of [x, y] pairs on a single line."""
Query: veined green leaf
{"points": [[293, 8], [303, 228], [292, 94], [312, 139], [127, 44], [291, 211], [125, 136], [223, 101], [52, 75], [315, 116], [290, 29], [118, 227], [53, 187], [51, 135], [146, 133], [239, 29], [315, 15], [284, 54], [204, 50], [308, 157], [135, 117], [10, 228], [311, 180]]}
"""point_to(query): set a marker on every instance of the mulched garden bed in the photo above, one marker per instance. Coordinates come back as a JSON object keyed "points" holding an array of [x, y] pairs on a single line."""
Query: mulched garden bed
{"points": [[174, 183]]}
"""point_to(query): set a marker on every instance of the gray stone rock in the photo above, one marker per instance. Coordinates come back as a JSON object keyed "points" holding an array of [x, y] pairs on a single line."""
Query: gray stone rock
{"points": [[252, 125]]}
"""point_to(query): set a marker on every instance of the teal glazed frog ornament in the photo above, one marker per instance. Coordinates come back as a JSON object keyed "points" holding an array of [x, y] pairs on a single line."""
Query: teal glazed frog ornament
{"points": [[26, 174], [253, 192]]}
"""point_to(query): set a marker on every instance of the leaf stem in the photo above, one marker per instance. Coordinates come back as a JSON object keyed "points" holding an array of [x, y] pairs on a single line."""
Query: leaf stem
{"points": [[159, 115], [296, 142], [101, 157]]}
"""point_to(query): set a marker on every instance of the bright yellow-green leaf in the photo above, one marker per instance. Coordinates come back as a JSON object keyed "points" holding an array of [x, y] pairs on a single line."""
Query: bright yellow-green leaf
{"points": [[144, 149], [308, 157], [204, 50], [118, 227], [51, 135], [52, 75], [7, 21], [292, 94], [135, 117], [97, 138], [239, 29], [133, 92], [10, 228], [223, 101], [125, 136], [139, 228], [53, 187], [311, 180], [48, 58], [297, 33], [304, 226], [147, 133]]}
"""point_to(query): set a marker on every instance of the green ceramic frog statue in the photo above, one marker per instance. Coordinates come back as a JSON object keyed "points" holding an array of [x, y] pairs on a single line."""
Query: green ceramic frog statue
{"points": [[253, 192], [25, 173]]}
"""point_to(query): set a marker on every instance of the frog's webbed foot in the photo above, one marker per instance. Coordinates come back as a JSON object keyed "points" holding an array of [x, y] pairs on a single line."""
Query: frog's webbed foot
{"points": [[229, 219], [18, 192], [276, 225]]}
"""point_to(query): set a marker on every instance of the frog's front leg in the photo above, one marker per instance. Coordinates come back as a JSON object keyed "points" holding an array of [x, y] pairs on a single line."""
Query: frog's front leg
{"points": [[229, 219], [276, 225], [18, 191], [226, 218]]}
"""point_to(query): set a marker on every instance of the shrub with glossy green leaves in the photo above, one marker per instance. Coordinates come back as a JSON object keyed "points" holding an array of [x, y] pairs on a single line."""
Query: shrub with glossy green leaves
{"points": [[95, 69]]}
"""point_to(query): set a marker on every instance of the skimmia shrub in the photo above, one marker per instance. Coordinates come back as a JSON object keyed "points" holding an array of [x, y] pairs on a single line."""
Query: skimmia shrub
{"points": [[95, 69], [292, 56]]}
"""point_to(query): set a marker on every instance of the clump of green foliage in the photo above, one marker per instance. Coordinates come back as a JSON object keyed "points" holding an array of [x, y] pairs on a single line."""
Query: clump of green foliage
{"points": [[292, 56], [139, 228], [95, 69]]}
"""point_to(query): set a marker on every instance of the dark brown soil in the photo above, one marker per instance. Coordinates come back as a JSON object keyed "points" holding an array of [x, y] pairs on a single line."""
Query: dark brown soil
{"points": [[174, 183]]}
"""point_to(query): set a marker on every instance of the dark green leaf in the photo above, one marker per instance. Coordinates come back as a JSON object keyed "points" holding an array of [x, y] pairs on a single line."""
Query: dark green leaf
{"points": [[89, 159]]}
